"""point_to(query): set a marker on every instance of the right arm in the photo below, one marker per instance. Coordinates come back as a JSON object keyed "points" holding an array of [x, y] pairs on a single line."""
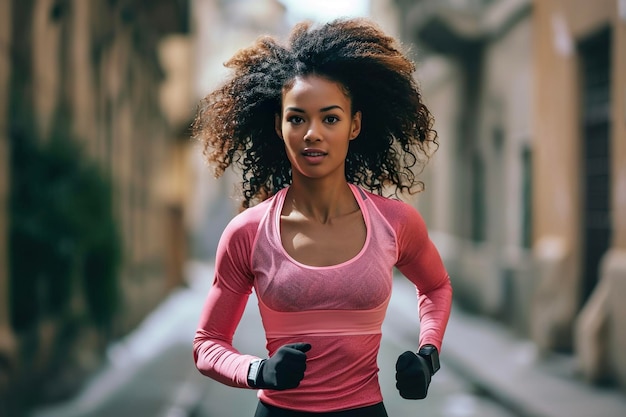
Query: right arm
{"points": [[213, 351]]}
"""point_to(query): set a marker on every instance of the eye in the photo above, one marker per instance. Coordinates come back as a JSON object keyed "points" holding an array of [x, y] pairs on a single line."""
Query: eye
{"points": [[331, 119], [296, 120]]}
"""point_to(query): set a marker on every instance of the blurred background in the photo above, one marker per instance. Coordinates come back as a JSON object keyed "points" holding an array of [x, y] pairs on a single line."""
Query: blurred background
{"points": [[109, 217]]}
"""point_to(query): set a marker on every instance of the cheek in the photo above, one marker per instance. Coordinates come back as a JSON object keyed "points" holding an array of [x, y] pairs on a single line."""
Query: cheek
{"points": [[290, 141], [290, 136]]}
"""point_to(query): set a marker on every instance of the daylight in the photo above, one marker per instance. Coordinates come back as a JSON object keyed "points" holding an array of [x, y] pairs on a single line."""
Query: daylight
{"points": [[323, 10]]}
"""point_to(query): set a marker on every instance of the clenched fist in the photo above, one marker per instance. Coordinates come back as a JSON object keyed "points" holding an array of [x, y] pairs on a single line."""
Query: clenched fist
{"points": [[285, 369], [412, 376]]}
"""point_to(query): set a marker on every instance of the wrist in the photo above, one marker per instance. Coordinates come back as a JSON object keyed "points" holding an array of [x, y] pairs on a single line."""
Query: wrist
{"points": [[431, 355], [254, 373]]}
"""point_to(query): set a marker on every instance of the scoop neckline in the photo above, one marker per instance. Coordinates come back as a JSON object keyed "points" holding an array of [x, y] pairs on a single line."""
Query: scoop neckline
{"points": [[364, 213]]}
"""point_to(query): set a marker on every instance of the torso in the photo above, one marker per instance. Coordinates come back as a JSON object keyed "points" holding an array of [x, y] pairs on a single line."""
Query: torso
{"points": [[327, 283]]}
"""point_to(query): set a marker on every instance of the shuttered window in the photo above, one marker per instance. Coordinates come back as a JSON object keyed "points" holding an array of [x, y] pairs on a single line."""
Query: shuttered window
{"points": [[595, 53]]}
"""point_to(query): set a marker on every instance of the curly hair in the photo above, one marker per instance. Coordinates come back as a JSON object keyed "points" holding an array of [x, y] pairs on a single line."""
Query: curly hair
{"points": [[235, 122]]}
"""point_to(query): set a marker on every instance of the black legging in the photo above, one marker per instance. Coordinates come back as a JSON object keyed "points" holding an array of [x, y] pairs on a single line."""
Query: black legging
{"points": [[266, 410]]}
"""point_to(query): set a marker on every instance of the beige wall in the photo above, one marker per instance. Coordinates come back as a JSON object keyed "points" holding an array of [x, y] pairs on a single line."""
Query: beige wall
{"points": [[83, 86], [46, 64], [506, 105], [555, 112], [556, 187], [439, 80], [560, 24], [596, 332]]}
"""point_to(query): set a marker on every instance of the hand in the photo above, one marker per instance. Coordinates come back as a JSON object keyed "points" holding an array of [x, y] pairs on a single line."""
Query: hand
{"points": [[412, 376], [285, 369]]}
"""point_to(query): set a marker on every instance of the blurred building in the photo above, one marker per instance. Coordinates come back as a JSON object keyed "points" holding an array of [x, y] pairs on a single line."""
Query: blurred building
{"points": [[112, 80], [527, 194]]}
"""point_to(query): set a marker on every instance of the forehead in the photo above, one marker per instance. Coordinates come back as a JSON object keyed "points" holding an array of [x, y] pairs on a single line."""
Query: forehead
{"points": [[315, 88]]}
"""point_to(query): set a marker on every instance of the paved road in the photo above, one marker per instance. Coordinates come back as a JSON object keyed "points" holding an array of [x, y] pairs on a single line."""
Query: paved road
{"points": [[151, 372]]}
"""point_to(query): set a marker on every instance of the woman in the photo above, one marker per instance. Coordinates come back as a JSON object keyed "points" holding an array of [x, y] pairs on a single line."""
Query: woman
{"points": [[320, 129]]}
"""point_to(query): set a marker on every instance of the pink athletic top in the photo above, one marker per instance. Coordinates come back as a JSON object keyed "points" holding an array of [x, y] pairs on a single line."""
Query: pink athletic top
{"points": [[338, 309]]}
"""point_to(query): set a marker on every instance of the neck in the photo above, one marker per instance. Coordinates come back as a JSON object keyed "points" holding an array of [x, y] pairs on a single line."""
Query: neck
{"points": [[320, 202]]}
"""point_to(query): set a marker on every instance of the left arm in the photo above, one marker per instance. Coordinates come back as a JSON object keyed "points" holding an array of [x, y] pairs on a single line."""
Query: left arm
{"points": [[420, 262]]}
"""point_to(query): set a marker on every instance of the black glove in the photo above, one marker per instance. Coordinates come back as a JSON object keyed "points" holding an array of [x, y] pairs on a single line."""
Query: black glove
{"points": [[285, 369], [412, 376]]}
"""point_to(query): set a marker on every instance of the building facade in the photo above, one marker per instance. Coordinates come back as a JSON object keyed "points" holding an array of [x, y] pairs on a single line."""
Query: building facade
{"points": [[526, 193], [83, 82]]}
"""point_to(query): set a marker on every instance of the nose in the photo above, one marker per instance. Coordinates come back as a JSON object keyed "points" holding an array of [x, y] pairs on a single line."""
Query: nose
{"points": [[312, 134]]}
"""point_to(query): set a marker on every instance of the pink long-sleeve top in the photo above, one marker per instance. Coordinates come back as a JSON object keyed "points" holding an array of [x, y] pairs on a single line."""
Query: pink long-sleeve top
{"points": [[338, 309]]}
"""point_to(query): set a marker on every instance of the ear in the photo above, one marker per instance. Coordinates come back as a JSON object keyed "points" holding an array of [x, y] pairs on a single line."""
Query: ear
{"points": [[278, 125], [356, 125]]}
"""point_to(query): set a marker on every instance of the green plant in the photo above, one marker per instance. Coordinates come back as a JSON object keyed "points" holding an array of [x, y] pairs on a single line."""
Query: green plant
{"points": [[63, 233]]}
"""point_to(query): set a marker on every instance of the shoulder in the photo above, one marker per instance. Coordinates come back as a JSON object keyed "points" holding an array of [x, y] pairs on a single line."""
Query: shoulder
{"points": [[235, 247], [403, 217], [392, 208], [245, 224]]}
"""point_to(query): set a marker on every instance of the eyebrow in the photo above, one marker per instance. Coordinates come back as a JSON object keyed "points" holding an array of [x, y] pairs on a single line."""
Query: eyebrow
{"points": [[322, 110]]}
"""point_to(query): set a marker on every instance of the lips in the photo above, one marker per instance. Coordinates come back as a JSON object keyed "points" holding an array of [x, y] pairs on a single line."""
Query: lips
{"points": [[314, 156], [314, 152]]}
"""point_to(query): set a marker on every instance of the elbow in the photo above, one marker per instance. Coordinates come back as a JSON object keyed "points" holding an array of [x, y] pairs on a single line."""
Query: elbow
{"points": [[200, 353]]}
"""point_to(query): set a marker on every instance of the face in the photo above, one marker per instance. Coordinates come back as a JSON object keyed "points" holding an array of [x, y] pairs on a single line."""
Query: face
{"points": [[317, 125]]}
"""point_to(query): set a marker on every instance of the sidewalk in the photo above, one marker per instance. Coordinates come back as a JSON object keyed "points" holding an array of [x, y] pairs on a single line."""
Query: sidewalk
{"points": [[508, 369], [486, 353], [153, 363]]}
